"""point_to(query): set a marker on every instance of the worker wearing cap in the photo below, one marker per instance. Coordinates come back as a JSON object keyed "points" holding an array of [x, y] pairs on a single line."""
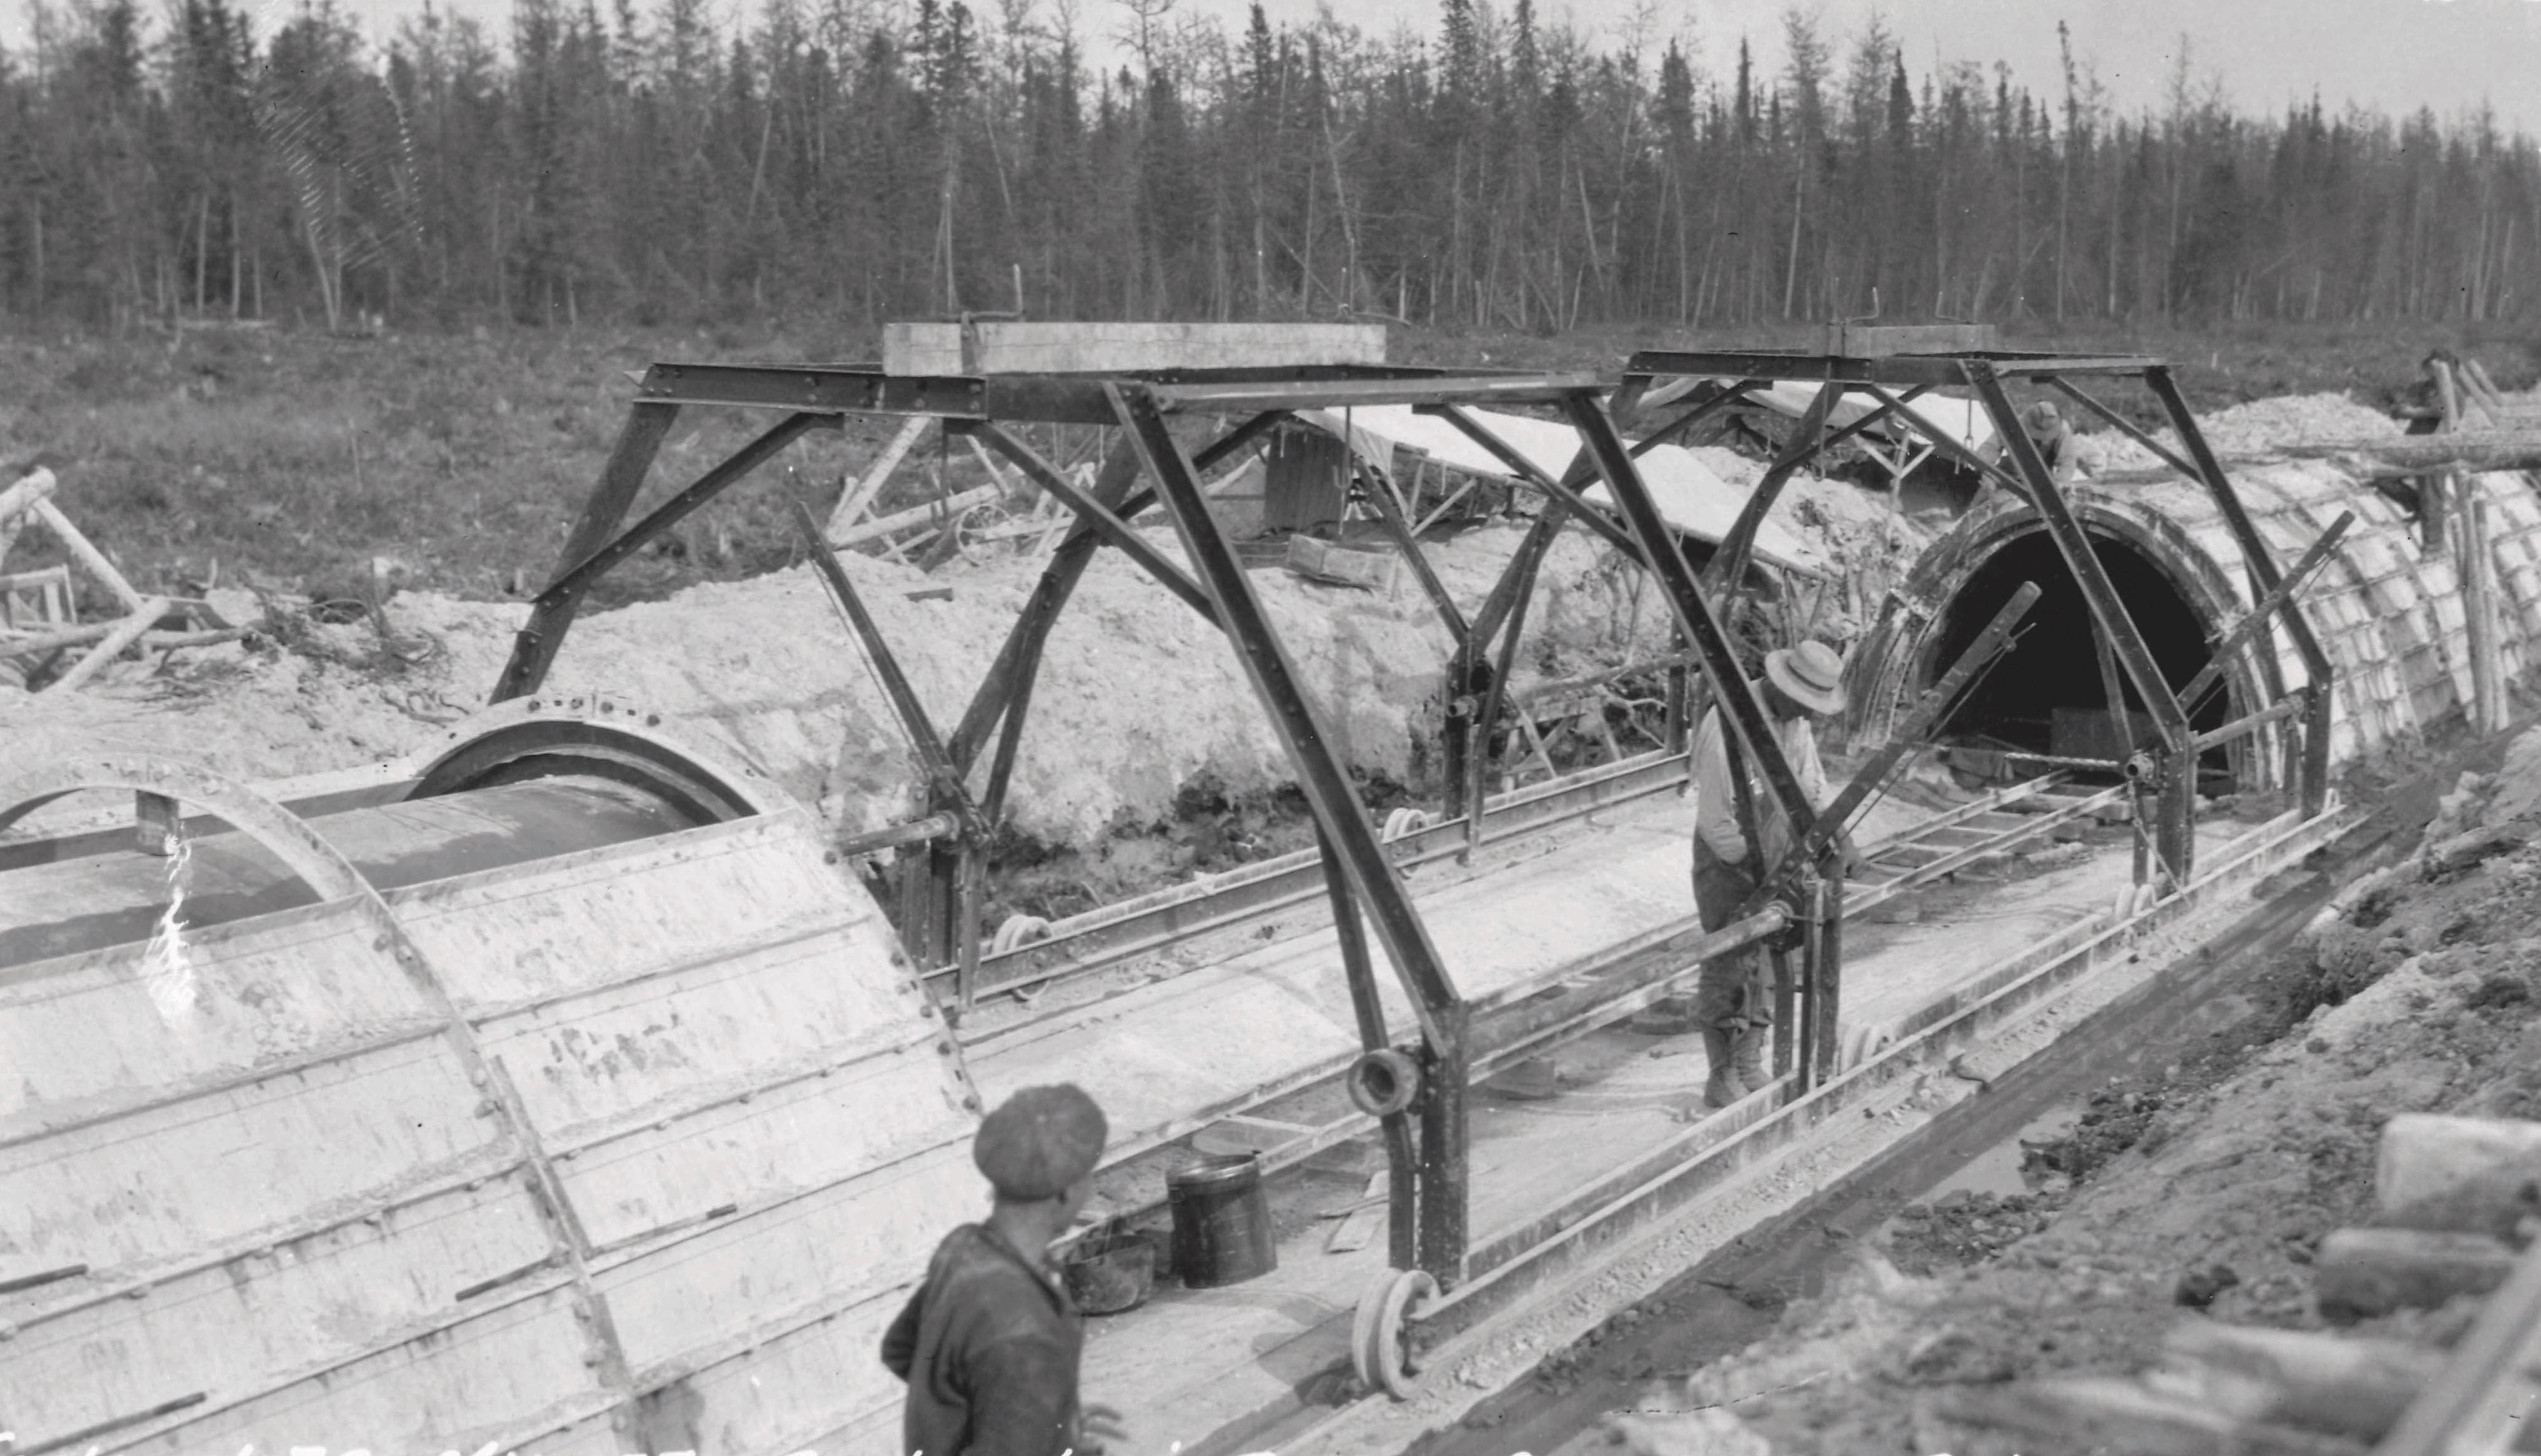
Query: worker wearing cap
{"points": [[1732, 1003], [2054, 439], [990, 1342]]}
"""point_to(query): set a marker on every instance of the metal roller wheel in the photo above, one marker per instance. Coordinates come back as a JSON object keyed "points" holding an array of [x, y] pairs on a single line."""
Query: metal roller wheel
{"points": [[1378, 1351], [1383, 1083], [1018, 931], [1406, 820]]}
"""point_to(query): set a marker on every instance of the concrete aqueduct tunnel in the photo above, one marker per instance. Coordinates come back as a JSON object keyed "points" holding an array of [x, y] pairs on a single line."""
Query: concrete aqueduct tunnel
{"points": [[2389, 615]]}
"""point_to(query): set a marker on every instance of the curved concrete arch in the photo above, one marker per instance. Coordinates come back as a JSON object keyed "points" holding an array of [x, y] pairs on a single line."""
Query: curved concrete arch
{"points": [[2388, 611]]}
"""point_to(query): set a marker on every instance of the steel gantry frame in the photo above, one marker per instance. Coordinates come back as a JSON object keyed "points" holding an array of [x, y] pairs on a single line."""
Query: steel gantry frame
{"points": [[1419, 1089], [2162, 769]]}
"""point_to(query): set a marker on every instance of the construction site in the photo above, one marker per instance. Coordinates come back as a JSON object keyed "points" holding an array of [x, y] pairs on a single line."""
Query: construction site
{"points": [[571, 1041]]}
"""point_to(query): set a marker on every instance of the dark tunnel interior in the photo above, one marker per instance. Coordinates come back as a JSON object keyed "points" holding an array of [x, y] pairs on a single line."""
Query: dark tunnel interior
{"points": [[2046, 695]]}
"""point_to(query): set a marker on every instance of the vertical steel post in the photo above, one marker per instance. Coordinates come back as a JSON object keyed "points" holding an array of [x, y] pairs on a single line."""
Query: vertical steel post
{"points": [[1743, 709], [1826, 966], [1730, 563], [1367, 1005], [2254, 549], [534, 650], [2177, 841], [1342, 818]]}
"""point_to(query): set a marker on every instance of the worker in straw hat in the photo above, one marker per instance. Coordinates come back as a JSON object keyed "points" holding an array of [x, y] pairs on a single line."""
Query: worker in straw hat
{"points": [[990, 1342], [2052, 436], [1739, 834]]}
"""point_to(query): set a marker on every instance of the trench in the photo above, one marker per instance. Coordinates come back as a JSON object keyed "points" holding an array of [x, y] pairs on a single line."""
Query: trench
{"points": [[2046, 694]]}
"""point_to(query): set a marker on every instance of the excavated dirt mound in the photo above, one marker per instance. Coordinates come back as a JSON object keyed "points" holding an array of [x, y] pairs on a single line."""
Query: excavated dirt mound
{"points": [[2206, 1191], [2254, 429], [1138, 698]]}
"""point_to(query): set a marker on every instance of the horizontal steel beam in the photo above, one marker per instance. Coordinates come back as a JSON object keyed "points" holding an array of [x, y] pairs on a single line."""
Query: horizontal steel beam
{"points": [[1230, 398], [1896, 371]]}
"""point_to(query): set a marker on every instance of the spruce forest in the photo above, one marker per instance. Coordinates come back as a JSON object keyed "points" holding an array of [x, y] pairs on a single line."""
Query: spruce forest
{"points": [[857, 160]]}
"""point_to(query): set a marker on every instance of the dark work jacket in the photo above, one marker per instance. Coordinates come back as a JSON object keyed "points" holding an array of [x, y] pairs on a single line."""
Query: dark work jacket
{"points": [[988, 1346]]}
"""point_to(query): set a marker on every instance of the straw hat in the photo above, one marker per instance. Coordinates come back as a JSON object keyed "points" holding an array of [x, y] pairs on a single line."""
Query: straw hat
{"points": [[2041, 418], [1810, 675]]}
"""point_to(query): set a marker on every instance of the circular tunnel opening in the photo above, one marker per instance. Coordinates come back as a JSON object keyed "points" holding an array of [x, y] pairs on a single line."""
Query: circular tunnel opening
{"points": [[2046, 694]]}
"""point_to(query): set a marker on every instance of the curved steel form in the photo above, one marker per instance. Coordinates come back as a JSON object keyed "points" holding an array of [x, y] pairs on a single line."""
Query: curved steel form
{"points": [[559, 1150], [593, 737]]}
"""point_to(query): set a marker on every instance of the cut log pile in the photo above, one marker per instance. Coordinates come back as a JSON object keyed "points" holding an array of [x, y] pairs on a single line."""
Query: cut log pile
{"points": [[2457, 1206], [40, 630]]}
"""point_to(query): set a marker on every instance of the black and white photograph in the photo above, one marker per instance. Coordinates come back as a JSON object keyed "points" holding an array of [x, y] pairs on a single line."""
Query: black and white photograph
{"points": [[1269, 727]]}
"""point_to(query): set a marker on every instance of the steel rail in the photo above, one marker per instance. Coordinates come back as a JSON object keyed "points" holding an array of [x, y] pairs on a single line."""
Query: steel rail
{"points": [[1124, 930]]}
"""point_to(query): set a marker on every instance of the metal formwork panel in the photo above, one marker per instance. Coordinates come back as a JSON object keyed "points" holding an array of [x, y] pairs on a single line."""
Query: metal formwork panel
{"points": [[307, 1303], [82, 1036], [573, 1153]]}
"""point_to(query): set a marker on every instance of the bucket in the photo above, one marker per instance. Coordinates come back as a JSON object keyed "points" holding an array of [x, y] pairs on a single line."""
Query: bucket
{"points": [[1110, 1271], [1221, 1222]]}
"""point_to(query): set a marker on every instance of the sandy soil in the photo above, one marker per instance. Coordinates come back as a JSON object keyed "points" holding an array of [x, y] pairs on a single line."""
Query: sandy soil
{"points": [[1139, 703], [2205, 1189]]}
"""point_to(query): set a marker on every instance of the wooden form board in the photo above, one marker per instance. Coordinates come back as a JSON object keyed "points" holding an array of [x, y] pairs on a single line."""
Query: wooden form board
{"points": [[1880, 340], [935, 349]]}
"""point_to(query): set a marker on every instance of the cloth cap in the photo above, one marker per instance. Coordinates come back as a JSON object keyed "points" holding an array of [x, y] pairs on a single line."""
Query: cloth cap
{"points": [[1810, 675], [2042, 417], [1040, 1142]]}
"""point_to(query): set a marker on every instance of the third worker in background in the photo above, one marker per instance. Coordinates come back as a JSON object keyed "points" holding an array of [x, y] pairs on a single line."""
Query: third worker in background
{"points": [[1739, 833]]}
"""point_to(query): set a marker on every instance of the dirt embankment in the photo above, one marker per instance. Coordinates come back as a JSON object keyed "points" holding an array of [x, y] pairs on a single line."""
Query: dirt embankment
{"points": [[2203, 1190], [1138, 699]]}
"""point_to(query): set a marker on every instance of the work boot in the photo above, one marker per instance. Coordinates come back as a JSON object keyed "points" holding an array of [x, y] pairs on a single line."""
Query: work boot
{"points": [[1725, 1087], [1747, 1058]]}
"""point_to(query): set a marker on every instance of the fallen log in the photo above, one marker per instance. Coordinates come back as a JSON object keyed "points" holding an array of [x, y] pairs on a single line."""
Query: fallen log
{"points": [[15, 503], [2475, 451], [2103, 1414], [85, 552], [2353, 1387], [2458, 1174], [121, 635], [88, 632], [2360, 1273], [933, 513], [852, 502]]}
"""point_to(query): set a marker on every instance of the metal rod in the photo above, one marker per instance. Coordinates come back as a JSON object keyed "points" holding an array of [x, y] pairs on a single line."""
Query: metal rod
{"points": [[2123, 426], [1093, 514], [1487, 721], [1020, 656], [2285, 708], [2274, 601], [534, 648], [1367, 1005], [1730, 563], [1729, 686], [1953, 448], [574, 582], [1735, 394], [1327, 784], [2177, 839], [2263, 568], [1389, 509], [1677, 954], [1119, 487], [940, 772], [1563, 490], [1929, 712], [915, 831]]}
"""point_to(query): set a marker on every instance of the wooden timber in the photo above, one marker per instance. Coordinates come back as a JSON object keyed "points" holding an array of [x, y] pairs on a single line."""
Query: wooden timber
{"points": [[1016, 347]]}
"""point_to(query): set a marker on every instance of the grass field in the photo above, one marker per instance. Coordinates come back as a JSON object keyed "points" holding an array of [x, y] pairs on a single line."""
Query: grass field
{"points": [[291, 459]]}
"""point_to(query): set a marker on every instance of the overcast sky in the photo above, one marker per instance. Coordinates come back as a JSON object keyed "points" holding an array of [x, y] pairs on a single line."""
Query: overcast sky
{"points": [[2396, 54]]}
